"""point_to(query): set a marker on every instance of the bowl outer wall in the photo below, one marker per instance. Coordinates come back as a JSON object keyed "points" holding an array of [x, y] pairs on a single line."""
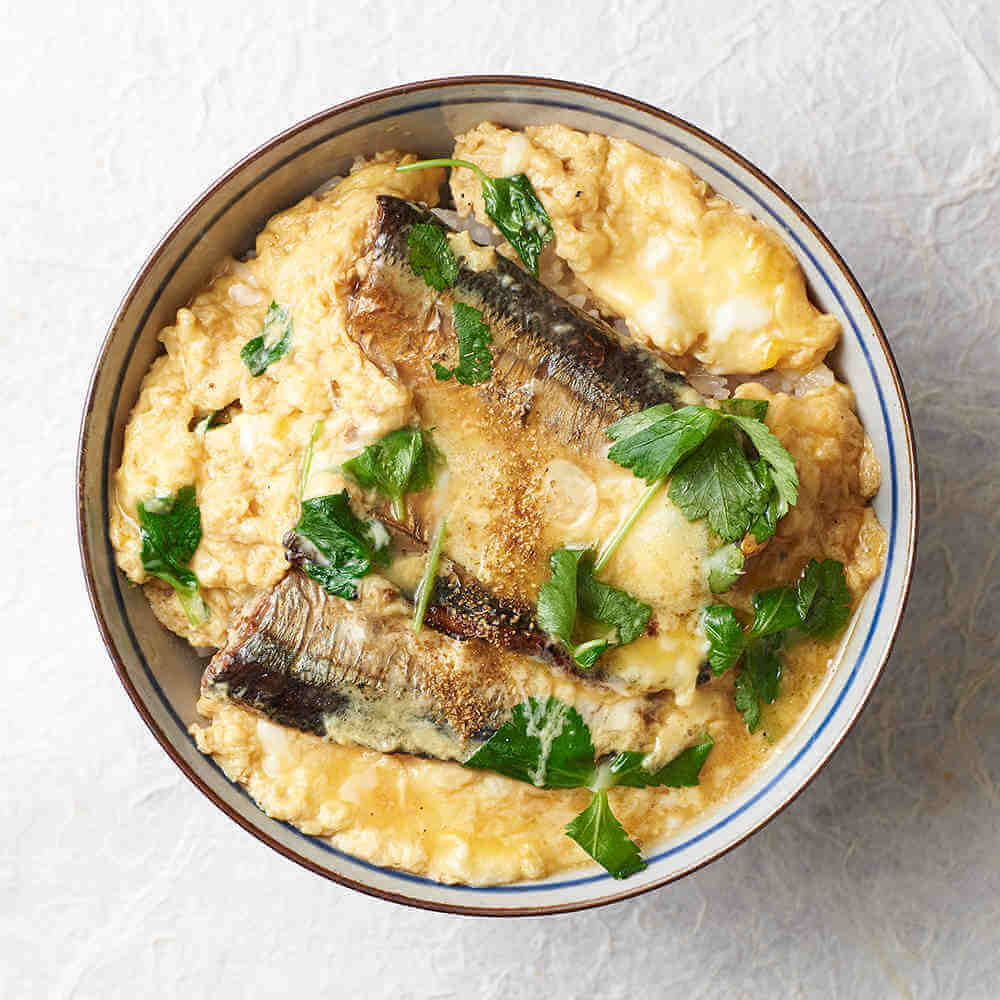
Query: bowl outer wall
{"points": [[223, 221]]}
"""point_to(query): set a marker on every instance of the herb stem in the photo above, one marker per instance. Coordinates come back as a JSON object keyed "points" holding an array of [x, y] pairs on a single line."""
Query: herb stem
{"points": [[398, 509], [426, 586], [445, 162], [609, 547], [307, 461], [194, 606]]}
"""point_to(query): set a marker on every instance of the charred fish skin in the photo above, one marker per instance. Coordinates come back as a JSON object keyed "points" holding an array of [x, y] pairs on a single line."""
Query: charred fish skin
{"points": [[334, 668], [355, 672], [590, 376], [461, 607]]}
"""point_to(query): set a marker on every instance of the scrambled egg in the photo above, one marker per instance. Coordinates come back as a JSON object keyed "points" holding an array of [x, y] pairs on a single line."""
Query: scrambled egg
{"points": [[247, 471], [695, 276], [689, 271]]}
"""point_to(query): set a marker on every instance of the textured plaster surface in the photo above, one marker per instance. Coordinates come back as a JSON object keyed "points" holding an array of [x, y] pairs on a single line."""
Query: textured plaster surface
{"points": [[117, 878]]}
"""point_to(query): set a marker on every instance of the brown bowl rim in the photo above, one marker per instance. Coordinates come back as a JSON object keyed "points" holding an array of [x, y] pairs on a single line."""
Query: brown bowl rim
{"points": [[400, 91]]}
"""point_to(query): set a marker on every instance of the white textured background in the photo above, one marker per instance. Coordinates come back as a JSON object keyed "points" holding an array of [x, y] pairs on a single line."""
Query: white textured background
{"points": [[118, 879]]}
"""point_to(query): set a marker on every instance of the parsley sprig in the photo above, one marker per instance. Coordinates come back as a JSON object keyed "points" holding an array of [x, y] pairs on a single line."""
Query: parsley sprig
{"points": [[574, 590], [512, 204], [431, 256], [475, 360], [170, 530], [818, 604], [546, 743], [404, 461], [702, 451]]}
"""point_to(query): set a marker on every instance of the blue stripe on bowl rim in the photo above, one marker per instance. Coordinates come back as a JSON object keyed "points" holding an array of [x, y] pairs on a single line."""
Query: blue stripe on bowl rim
{"points": [[541, 886]]}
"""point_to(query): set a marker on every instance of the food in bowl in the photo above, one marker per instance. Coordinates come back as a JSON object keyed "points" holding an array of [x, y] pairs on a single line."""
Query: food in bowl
{"points": [[522, 528]]}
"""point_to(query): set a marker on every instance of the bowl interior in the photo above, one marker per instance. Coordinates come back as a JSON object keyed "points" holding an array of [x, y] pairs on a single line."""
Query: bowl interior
{"points": [[161, 673]]}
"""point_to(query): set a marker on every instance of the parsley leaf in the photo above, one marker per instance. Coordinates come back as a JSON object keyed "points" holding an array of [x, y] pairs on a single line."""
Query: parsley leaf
{"points": [[557, 597], [651, 449], [557, 606], [757, 680], [273, 343], [475, 361], [332, 545], [755, 409], [573, 588], [682, 772], [765, 524], [711, 474], [782, 465], [775, 610], [601, 835], [725, 637], [404, 461], [512, 204], [824, 601], [609, 605], [431, 256], [745, 699], [818, 604], [725, 565], [716, 481], [170, 531], [545, 743]]}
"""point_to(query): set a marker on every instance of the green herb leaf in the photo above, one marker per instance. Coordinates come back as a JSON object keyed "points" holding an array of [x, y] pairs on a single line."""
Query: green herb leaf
{"points": [[682, 772], [513, 206], [775, 610], [824, 601], [725, 565], [557, 607], [586, 654], [431, 256], [755, 409], [518, 213], [746, 701], [573, 588], [654, 449], [636, 422], [600, 602], [757, 679], [273, 343], [557, 598], [335, 547], [765, 524], [782, 465], [170, 531], [545, 743], [404, 461], [764, 667], [600, 834], [725, 637], [717, 482], [475, 360]]}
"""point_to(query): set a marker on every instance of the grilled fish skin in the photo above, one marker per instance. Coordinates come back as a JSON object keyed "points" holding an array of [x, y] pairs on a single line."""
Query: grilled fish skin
{"points": [[355, 672], [553, 365]]}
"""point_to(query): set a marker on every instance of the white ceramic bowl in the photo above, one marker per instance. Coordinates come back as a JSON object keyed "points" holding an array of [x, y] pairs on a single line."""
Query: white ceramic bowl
{"points": [[161, 673]]}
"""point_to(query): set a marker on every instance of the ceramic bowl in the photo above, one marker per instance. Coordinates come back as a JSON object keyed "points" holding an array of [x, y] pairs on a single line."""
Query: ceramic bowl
{"points": [[161, 673]]}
